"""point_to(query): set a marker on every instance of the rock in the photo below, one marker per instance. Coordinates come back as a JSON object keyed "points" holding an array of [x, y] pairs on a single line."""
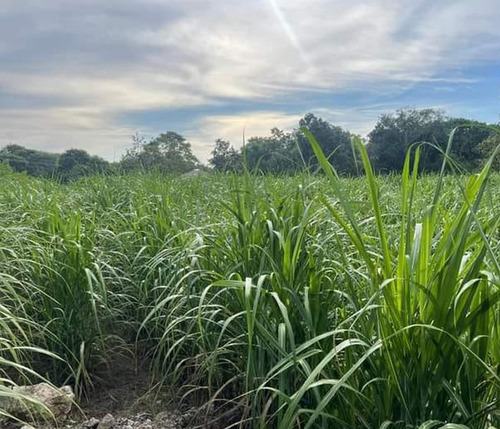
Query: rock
{"points": [[107, 422], [143, 416], [89, 424], [148, 424], [144, 420], [187, 417], [165, 420], [49, 398]]}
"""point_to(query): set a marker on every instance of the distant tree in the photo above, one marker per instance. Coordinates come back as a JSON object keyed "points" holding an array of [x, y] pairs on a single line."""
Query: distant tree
{"points": [[395, 132], [487, 148], [73, 157], [136, 157], [168, 152], [270, 154], [176, 151], [16, 162], [467, 141], [75, 163], [33, 162], [225, 157], [334, 141]]}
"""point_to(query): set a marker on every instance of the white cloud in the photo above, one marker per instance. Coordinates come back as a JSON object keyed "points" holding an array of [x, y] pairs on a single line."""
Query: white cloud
{"points": [[56, 130], [236, 128], [90, 62]]}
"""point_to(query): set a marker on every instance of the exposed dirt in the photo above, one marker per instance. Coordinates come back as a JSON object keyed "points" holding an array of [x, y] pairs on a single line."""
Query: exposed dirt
{"points": [[122, 398]]}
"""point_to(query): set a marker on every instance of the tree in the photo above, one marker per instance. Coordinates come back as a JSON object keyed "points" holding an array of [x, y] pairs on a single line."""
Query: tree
{"points": [[176, 152], [395, 132], [73, 157], [488, 147], [225, 157], [270, 154], [168, 152], [33, 162], [139, 156], [467, 142], [75, 163], [334, 141], [16, 162]]}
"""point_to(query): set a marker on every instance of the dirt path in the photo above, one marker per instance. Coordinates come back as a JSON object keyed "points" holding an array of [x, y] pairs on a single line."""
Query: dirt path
{"points": [[123, 399]]}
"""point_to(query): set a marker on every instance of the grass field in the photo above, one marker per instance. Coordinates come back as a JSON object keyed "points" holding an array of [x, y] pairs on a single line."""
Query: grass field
{"points": [[306, 301]]}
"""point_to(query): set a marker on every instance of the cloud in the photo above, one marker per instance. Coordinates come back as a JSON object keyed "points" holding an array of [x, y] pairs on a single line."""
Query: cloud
{"points": [[236, 129], [59, 129], [88, 63]]}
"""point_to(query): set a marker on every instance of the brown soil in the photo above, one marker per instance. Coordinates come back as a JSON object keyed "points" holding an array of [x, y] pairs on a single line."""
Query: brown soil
{"points": [[122, 397]]}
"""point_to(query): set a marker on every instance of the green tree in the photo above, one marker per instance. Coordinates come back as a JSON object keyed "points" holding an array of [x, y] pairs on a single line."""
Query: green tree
{"points": [[73, 157], [395, 132], [334, 141], [270, 154], [487, 147], [75, 163], [225, 157], [169, 152], [467, 142], [16, 162], [33, 162]]}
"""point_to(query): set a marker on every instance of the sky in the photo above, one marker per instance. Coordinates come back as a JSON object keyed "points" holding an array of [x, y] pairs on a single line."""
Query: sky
{"points": [[90, 74]]}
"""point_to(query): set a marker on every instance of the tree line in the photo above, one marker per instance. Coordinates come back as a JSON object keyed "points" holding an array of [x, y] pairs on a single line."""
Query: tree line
{"points": [[387, 144], [71, 164], [281, 152]]}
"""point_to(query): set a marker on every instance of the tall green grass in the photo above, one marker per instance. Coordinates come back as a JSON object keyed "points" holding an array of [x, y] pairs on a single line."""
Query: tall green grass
{"points": [[309, 301]]}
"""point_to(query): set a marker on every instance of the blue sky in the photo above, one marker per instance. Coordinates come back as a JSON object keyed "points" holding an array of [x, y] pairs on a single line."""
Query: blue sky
{"points": [[89, 74]]}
